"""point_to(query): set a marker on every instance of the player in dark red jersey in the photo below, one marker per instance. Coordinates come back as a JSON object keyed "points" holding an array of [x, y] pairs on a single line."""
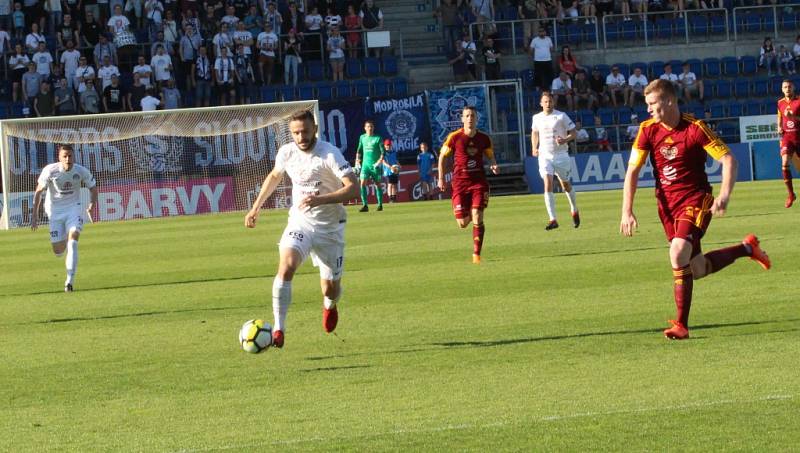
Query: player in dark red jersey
{"points": [[468, 146], [789, 129], [677, 145]]}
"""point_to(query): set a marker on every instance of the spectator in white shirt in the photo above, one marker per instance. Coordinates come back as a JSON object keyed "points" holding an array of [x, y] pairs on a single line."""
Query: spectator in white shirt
{"points": [[83, 73], [267, 44], [162, 66], [633, 129], [106, 72], [672, 77], [244, 37], [222, 40], [615, 83], [33, 39], [224, 74], [43, 60], [144, 70], [230, 18], [69, 61], [690, 84], [636, 84], [562, 86], [796, 50], [104, 47], [150, 102], [118, 23], [541, 47], [154, 11], [332, 19]]}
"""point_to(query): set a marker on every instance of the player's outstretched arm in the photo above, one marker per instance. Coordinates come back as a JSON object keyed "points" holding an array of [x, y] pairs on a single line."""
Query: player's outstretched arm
{"points": [[628, 224], [267, 187], [730, 166]]}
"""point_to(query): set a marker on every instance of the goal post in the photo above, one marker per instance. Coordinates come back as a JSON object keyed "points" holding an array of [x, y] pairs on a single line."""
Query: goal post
{"points": [[152, 164]]}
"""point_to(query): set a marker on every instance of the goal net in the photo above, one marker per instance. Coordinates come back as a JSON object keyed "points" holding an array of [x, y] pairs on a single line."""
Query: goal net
{"points": [[152, 164]]}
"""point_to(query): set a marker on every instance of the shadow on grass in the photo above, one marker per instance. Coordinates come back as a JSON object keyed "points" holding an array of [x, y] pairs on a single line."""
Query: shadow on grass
{"points": [[335, 368], [138, 315]]}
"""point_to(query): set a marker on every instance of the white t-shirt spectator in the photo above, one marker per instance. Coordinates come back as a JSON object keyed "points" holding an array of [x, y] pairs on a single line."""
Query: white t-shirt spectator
{"points": [[631, 131], [161, 64], [19, 61], [615, 81], [43, 61], [224, 68], [671, 77], [143, 70], [70, 58], [5, 39], [637, 82], [267, 43], [313, 23], [221, 40], [149, 103], [559, 85], [336, 44], [582, 136], [541, 48], [333, 21], [687, 78], [86, 72], [242, 37], [796, 50], [231, 21], [118, 24], [154, 10], [104, 73], [32, 41]]}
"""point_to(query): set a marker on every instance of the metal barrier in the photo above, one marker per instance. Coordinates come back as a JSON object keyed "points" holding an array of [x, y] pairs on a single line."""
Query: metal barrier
{"points": [[558, 31], [650, 29], [741, 12]]}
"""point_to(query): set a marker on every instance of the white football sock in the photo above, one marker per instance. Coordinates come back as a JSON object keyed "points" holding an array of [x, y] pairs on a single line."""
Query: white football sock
{"points": [[573, 202], [550, 204], [329, 303], [72, 260], [281, 299]]}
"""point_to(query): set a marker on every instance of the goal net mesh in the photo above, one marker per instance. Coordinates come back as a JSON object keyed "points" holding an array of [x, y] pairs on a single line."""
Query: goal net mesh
{"points": [[153, 164]]}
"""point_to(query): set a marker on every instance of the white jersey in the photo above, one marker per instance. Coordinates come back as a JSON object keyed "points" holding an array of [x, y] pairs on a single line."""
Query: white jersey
{"points": [[556, 124], [319, 171], [64, 187]]}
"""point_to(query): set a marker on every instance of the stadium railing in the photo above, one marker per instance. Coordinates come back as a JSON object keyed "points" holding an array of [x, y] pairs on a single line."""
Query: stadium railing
{"points": [[511, 33], [749, 20], [663, 28]]}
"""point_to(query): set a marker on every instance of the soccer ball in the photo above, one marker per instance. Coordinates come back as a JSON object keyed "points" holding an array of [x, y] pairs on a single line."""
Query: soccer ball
{"points": [[255, 336], [395, 169]]}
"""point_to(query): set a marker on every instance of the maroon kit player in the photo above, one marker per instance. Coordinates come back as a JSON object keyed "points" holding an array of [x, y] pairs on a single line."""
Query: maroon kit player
{"points": [[468, 146], [790, 134], [677, 145]]}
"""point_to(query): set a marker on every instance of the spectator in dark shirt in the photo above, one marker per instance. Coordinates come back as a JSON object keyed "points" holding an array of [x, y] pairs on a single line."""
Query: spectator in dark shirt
{"points": [[491, 59], [114, 96], [68, 30], [65, 99], [44, 104], [91, 30], [583, 91], [451, 22], [598, 85], [136, 93], [458, 60]]}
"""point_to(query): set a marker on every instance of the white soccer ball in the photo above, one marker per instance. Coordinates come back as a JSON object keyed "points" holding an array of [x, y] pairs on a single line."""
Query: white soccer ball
{"points": [[255, 336]]}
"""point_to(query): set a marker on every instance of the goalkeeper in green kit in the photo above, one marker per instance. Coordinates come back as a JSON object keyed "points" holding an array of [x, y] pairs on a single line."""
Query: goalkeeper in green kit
{"points": [[369, 156]]}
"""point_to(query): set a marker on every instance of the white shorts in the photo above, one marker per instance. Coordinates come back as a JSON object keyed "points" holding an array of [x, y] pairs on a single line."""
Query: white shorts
{"points": [[62, 223], [326, 248], [559, 165]]}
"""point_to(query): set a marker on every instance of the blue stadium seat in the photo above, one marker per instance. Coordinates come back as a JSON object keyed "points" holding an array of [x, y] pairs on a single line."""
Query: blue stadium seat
{"points": [[730, 66], [718, 25], [268, 94], [612, 31], [760, 86], [655, 69], [752, 107], [710, 87], [789, 21], [342, 89], [607, 116], [287, 93], [389, 64], [750, 23], [324, 91], [603, 68], [676, 65], [696, 66], [399, 86], [724, 89], [699, 25], [527, 78], [663, 28], [509, 74], [628, 31], [380, 87], [624, 69], [589, 34], [775, 85], [768, 106], [573, 34], [642, 66], [769, 21], [735, 108], [586, 116], [315, 70], [305, 91], [717, 108], [749, 65], [361, 88], [679, 28], [695, 108], [741, 88], [372, 67], [712, 66], [641, 112], [352, 68]]}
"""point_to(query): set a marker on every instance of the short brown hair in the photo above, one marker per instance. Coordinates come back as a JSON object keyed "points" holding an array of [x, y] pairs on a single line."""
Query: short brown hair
{"points": [[546, 93], [65, 146], [789, 81], [302, 115], [469, 107], [662, 87]]}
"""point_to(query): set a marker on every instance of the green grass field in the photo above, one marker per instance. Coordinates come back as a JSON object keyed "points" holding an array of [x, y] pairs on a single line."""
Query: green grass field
{"points": [[552, 344]]}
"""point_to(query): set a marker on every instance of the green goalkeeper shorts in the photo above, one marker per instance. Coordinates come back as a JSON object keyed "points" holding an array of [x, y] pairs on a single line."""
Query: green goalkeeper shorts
{"points": [[370, 172]]}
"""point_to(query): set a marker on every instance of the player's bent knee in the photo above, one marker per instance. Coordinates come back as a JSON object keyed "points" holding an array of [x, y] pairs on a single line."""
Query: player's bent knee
{"points": [[74, 235]]}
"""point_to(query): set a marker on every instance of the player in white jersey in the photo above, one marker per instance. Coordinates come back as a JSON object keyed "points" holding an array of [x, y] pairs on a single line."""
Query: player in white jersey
{"points": [[551, 130], [321, 181], [62, 181]]}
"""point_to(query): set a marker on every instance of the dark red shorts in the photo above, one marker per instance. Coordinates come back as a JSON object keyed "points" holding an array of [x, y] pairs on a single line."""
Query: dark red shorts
{"points": [[687, 219], [790, 145], [469, 196]]}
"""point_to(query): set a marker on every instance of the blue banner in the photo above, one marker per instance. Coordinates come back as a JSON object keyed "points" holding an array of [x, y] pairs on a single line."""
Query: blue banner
{"points": [[444, 107], [606, 170], [767, 161], [404, 120], [341, 123]]}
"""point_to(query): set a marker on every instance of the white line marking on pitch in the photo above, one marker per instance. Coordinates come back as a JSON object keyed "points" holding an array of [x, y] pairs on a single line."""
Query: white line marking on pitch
{"points": [[463, 426]]}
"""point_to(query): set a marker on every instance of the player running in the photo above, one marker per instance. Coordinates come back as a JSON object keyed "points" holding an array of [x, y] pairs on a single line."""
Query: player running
{"points": [[321, 181], [425, 161], [63, 180], [369, 156], [677, 145], [468, 146], [790, 135], [551, 130]]}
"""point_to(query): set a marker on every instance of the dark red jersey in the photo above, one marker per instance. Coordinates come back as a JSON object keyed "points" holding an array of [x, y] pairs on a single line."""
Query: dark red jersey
{"points": [[468, 153], [678, 156], [787, 109]]}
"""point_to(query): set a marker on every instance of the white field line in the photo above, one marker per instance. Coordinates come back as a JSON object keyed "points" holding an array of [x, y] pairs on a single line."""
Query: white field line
{"points": [[466, 426]]}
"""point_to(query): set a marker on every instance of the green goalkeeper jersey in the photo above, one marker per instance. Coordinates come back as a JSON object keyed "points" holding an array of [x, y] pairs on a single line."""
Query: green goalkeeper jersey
{"points": [[370, 148]]}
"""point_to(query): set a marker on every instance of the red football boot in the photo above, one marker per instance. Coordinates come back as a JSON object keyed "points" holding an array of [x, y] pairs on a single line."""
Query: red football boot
{"points": [[329, 319], [790, 200], [277, 338], [757, 254], [677, 332]]}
